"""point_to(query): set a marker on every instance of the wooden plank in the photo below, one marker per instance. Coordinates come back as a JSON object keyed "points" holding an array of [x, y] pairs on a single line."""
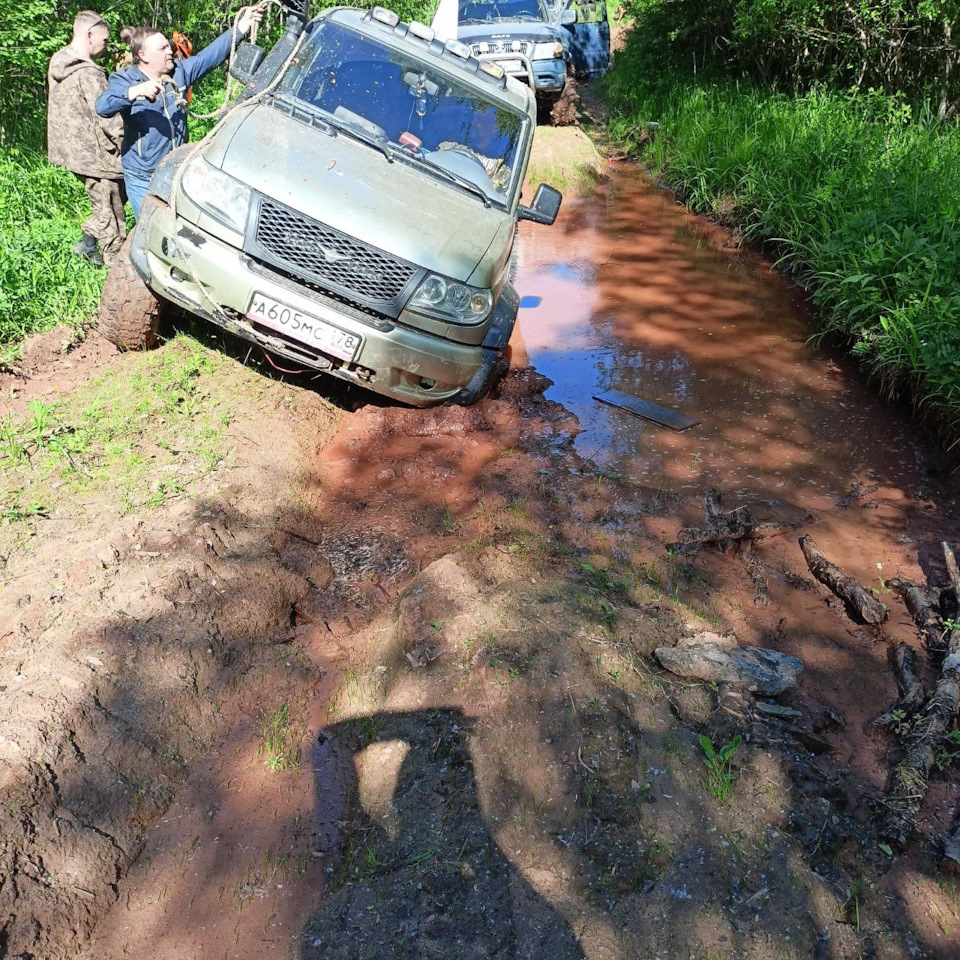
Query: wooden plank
{"points": [[665, 416]]}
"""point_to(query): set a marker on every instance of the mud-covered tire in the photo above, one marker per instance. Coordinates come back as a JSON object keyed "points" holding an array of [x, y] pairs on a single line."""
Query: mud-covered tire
{"points": [[130, 311], [477, 392], [563, 108]]}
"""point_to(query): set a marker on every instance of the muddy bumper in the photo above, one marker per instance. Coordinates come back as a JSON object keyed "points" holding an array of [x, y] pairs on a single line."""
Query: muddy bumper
{"points": [[220, 283]]}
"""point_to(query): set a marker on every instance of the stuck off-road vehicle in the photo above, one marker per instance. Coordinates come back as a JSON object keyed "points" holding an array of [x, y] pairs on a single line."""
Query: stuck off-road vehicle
{"points": [[522, 36], [540, 42], [353, 213]]}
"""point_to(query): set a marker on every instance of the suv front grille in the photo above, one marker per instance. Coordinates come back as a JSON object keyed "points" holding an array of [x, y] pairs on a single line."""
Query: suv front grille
{"points": [[498, 47], [338, 262]]}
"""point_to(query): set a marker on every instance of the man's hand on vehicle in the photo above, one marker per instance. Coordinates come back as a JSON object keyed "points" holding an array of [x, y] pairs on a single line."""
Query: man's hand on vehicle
{"points": [[250, 16], [149, 90]]}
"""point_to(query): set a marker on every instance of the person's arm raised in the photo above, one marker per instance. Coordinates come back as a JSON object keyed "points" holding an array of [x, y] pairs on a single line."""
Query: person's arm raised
{"points": [[195, 68]]}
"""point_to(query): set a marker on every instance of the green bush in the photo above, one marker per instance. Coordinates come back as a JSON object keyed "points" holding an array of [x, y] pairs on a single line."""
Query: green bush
{"points": [[41, 284], [859, 192]]}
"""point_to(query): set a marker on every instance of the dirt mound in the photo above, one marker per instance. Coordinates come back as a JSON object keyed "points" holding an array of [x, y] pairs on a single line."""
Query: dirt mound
{"points": [[109, 689], [51, 363]]}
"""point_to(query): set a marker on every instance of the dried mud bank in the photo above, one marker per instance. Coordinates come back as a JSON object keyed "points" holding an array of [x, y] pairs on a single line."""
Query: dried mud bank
{"points": [[124, 640], [454, 615]]}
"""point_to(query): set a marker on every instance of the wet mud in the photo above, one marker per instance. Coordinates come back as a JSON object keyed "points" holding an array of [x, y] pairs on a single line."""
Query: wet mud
{"points": [[637, 295], [391, 692]]}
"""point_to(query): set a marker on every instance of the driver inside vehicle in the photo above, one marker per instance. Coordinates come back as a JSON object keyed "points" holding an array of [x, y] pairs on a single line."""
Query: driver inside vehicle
{"points": [[484, 142]]}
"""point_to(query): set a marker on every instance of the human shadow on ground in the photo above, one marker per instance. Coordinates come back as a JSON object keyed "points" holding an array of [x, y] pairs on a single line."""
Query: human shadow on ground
{"points": [[414, 869]]}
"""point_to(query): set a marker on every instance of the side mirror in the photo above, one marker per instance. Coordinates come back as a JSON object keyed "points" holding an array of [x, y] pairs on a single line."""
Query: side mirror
{"points": [[568, 18], [546, 206], [246, 62]]}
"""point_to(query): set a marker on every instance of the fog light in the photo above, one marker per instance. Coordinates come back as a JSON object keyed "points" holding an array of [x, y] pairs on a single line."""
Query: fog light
{"points": [[426, 384], [382, 15], [458, 49], [492, 69], [178, 275], [421, 30]]}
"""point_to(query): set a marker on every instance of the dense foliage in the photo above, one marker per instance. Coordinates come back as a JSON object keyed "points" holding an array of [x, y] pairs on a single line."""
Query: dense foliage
{"points": [[42, 207], [905, 46], [858, 188]]}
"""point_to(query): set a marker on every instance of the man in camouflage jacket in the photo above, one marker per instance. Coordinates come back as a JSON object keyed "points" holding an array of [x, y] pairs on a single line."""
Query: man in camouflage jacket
{"points": [[82, 141]]}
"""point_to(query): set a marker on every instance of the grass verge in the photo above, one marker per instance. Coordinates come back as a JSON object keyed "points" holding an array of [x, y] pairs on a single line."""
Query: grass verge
{"points": [[135, 436], [42, 285], [858, 191]]}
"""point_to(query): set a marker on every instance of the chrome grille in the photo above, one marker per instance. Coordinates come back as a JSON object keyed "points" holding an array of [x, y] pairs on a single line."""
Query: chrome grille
{"points": [[500, 47], [316, 250]]}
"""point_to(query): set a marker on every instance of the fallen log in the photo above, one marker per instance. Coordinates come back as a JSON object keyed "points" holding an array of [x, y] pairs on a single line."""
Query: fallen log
{"points": [[903, 660], [858, 601], [952, 572], [762, 530], [922, 604], [755, 567], [908, 785], [951, 851]]}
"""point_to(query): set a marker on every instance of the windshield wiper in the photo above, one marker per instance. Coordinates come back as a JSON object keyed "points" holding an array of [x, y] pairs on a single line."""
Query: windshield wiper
{"points": [[460, 181], [352, 131]]}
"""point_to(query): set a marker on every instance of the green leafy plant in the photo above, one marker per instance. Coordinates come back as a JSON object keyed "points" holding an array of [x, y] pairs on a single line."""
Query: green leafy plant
{"points": [[719, 764], [280, 741], [947, 751]]}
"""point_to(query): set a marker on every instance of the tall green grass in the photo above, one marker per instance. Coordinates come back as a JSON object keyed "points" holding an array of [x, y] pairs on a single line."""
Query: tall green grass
{"points": [[42, 285], [860, 192]]}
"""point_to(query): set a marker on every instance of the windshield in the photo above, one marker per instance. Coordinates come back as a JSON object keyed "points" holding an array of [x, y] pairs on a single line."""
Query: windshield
{"points": [[408, 109], [483, 11]]}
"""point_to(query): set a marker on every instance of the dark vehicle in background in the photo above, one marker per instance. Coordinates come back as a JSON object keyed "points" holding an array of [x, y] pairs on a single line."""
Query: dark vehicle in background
{"points": [[588, 36], [523, 37], [537, 42]]}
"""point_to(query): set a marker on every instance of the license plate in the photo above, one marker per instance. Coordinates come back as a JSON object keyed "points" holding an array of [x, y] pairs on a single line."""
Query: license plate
{"points": [[304, 327], [512, 66]]}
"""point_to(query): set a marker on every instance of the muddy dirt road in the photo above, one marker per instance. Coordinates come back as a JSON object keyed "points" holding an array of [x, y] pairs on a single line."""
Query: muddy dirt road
{"points": [[379, 683]]}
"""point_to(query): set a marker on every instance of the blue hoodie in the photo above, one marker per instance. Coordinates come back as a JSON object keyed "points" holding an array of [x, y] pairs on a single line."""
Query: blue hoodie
{"points": [[146, 130]]}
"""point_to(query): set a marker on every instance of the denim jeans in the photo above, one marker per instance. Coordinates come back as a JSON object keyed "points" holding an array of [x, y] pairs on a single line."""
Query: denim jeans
{"points": [[136, 190]]}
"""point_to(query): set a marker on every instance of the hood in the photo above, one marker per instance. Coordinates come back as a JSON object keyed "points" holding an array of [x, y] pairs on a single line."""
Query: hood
{"points": [[67, 61], [353, 188], [523, 31]]}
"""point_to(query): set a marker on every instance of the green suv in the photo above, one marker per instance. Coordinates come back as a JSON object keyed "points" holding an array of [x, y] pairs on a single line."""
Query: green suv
{"points": [[353, 213]]}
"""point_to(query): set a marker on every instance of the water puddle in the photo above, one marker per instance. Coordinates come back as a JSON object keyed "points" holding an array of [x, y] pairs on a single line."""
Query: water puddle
{"points": [[640, 297]]}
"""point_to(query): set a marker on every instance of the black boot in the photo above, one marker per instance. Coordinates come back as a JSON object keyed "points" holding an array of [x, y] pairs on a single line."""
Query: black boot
{"points": [[87, 248]]}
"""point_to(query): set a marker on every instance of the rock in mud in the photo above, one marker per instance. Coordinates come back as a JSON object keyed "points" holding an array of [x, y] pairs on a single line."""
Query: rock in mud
{"points": [[761, 671]]}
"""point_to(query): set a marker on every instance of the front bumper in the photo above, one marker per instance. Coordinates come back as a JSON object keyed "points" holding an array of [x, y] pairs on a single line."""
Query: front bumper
{"points": [[393, 359], [543, 76]]}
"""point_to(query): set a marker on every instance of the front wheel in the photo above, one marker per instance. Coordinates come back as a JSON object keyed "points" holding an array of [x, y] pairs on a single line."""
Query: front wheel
{"points": [[130, 311], [563, 106]]}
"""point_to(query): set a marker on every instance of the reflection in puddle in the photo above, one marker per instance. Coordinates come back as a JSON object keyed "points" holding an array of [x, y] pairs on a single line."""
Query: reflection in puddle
{"points": [[639, 297]]}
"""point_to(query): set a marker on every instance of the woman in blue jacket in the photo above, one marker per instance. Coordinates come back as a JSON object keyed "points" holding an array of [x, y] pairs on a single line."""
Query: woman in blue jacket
{"points": [[149, 107]]}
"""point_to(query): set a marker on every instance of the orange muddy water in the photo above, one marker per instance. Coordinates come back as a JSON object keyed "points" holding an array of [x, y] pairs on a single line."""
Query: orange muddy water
{"points": [[641, 297]]}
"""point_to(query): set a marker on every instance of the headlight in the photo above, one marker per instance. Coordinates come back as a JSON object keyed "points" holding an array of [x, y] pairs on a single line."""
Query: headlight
{"points": [[547, 51], [217, 193], [439, 297]]}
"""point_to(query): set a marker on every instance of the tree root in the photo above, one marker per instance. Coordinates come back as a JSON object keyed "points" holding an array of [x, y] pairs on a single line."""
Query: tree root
{"points": [[857, 600], [903, 660], [923, 604], [923, 739]]}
